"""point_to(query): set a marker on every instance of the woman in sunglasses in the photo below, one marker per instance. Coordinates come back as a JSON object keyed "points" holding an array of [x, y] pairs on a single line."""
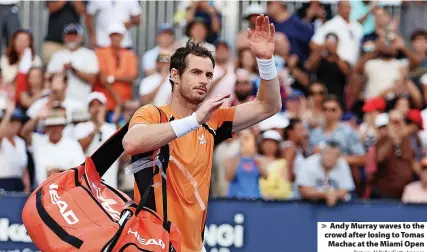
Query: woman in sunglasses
{"points": [[314, 114]]}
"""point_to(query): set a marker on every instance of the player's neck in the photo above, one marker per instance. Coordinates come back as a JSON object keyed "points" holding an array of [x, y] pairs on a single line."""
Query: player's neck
{"points": [[180, 107]]}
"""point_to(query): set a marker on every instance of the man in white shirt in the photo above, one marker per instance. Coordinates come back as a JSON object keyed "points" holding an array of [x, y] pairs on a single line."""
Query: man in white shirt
{"points": [[92, 134], [107, 12], [349, 33], [80, 63], [156, 88], [165, 41], [52, 152]]}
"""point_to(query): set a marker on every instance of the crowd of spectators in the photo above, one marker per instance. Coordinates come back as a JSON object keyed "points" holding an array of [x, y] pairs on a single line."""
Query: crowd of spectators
{"points": [[353, 85]]}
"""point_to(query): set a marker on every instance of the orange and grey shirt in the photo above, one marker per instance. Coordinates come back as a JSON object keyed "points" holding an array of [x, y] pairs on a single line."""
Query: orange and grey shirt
{"points": [[188, 173]]}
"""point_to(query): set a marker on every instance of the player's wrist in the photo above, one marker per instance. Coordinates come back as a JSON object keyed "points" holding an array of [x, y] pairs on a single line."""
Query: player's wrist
{"points": [[185, 125], [267, 68]]}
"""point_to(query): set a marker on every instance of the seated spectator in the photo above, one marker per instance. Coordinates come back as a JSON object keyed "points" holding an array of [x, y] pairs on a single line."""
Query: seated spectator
{"points": [[313, 115], [156, 89], [118, 69], [278, 184], [14, 175], [244, 170], [59, 85], [165, 42], [416, 192], [294, 149], [79, 63], [329, 68], [61, 13], [251, 12], [52, 152], [395, 160], [325, 176], [298, 32], [126, 13], [208, 12], [349, 33], [9, 62], [197, 30], [224, 76], [242, 88], [92, 134], [33, 85]]}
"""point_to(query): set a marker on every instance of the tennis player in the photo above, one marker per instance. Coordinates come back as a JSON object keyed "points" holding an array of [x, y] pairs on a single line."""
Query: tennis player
{"points": [[195, 124]]}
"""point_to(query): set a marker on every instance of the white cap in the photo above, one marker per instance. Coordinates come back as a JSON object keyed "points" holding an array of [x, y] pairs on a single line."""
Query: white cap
{"points": [[272, 134], [277, 121], [96, 96], [254, 9], [55, 121], [381, 120], [116, 28]]}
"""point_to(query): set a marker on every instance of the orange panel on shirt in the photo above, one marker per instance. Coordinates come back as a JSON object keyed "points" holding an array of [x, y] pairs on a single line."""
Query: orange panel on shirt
{"points": [[108, 65], [190, 163]]}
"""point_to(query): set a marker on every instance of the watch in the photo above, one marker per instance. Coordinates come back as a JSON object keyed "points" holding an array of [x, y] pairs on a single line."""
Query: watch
{"points": [[110, 79]]}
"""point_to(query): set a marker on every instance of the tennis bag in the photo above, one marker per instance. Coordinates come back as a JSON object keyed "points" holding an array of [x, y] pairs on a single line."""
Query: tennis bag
{"points": [[75, 211]]}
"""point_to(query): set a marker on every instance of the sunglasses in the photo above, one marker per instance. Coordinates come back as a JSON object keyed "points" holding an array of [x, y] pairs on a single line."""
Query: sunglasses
{"points": [[317, 93], [326, 109]]}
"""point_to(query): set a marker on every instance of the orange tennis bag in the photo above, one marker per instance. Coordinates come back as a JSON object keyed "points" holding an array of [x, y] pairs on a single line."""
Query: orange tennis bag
{"points": [[75, 211]]}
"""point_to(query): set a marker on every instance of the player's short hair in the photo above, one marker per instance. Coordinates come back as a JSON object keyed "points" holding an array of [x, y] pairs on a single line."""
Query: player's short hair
{"points": [[179, 58]]}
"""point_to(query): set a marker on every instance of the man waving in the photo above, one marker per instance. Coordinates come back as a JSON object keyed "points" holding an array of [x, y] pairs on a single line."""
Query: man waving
{"points": [[195, 124]]}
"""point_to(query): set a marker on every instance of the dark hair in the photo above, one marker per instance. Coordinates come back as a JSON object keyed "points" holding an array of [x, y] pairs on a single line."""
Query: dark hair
{"points": [[334, 98], [64, 76], [179, 59], [239, 59], [278, 153], [418, 33], [190, 25], [11, 53], [291, 126], [331, 34]]}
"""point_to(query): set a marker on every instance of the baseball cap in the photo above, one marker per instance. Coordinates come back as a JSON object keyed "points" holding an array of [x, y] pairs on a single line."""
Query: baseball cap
{"points": [[254, 9], [116, 28], [272, 134], [166, 27], [414, 116], [374, 104], [73, 28], [381, 120], [96, 96]]}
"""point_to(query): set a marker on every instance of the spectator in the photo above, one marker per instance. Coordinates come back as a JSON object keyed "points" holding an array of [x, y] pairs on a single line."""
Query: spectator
{"points": [[9, 62], [278, 184], [156, 88], [58, 82], [224, 76], [246, 60], [294, 105], [395, 160], [14, 175], [52, 152], [129, 108], [61, 13], [165, 42], [118, 70], [368, 129], [9, 20], [244, 170], [349, 141], [416, 192], [106, 13], [206, 11], [298, 32], [349, 33], [294, 149], [35, 87], [80, 64], [325, 176], [329, 67], [363, 12], [222, 154], [314, 112], [383, 22], [419, 44], [250, 15], [197, 30], [315, 13], [92, 134], [242, 88]]}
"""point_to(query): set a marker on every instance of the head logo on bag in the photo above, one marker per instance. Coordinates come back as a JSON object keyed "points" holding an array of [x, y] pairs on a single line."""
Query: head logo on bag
{"points": [[107, 203], [69, 215], [146, 242]]}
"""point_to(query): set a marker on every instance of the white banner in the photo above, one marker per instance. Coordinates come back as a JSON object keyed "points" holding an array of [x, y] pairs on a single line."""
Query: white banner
{"points": [[371, 236]]}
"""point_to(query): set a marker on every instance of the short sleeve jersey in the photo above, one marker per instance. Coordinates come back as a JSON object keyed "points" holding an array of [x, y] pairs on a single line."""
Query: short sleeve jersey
{"points": [[189, 171]]}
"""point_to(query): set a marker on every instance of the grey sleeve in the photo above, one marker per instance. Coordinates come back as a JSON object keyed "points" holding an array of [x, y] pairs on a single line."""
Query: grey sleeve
{"points": [[304, 176]]}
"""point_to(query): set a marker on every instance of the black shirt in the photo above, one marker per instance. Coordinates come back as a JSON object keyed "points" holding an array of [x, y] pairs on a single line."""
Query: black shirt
{"points": [[59, 19], [331, 76]]}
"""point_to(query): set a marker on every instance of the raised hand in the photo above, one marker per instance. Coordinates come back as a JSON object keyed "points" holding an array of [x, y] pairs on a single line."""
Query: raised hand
{"points": [[204, 113], [261, 39]]}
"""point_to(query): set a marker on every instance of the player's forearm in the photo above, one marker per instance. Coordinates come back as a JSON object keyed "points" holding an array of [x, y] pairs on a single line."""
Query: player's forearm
{"points": [[269, 93]]}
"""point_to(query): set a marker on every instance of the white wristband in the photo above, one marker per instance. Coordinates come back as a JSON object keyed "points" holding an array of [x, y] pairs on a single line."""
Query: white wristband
{"points": [[267, 68], [185, 125]]}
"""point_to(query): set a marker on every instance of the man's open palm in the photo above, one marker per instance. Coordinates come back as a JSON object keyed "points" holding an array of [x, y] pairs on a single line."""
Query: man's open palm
{"points": [[262, 38]]}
